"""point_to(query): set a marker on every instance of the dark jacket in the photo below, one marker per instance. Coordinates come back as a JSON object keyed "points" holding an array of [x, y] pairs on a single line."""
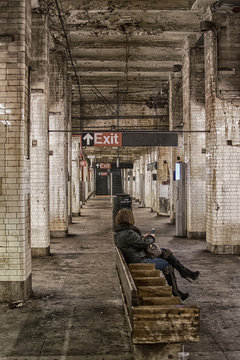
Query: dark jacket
{"points": [[133, 245]]}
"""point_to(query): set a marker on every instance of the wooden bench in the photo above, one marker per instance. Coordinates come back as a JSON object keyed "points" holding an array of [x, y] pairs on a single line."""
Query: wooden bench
{"points": [[159, 323]]}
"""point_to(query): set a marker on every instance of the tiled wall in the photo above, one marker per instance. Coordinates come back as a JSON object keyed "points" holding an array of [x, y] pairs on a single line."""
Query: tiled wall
{"points": [[15, 246], [39, 145], [175, 124], [194, 137], [164, 180], [58, 145], [75, 176], [223, 151]]}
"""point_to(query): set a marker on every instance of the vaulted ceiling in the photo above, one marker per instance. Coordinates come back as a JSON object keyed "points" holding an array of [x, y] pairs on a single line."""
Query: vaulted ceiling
{"points": [[122, 52]]}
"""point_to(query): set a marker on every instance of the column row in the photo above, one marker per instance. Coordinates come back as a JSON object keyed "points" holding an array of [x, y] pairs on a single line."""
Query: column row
{"points": [[204, 109]]}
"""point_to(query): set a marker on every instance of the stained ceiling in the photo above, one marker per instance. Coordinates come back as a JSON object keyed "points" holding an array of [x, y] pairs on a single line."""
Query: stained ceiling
{"points": [[122, 52]]}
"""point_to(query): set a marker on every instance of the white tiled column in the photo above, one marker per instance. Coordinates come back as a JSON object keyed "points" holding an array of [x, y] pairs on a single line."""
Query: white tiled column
{"points": [[147, 180], [222, 51], [75, 176], [125, 182], [15, 237], [154, 179], [39, 137], [69, 117], [175, 124], [58, 145], [136, 180], [141, 186], [164, 180], [194, 141]]}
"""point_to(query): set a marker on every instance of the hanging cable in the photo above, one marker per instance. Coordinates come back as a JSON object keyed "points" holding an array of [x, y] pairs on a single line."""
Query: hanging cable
{"points": [[71, 58], [102, 97], [69, 49], [105, 103]]}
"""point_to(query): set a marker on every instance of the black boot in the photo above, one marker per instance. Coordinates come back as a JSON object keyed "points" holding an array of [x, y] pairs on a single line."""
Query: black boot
{"points": [[184, 272], [168, 272]]}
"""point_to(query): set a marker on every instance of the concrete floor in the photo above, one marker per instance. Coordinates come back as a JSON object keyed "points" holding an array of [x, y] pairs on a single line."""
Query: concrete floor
{"points": [[76, 308]]}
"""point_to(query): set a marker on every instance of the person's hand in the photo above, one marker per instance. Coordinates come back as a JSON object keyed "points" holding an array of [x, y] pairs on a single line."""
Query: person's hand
{"points": [[148, 234]]}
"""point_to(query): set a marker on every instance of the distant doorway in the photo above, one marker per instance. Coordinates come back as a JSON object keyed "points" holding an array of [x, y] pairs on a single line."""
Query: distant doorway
{"points": [[103, 186], [117, 187], [104, 182]]}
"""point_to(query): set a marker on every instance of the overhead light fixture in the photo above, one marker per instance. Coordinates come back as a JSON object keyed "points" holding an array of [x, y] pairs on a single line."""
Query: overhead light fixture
{"points": [[177, 68], [206, 26]]}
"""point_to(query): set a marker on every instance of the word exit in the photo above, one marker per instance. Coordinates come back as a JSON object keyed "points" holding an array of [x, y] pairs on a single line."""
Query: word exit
{"points": [[102, 139]]}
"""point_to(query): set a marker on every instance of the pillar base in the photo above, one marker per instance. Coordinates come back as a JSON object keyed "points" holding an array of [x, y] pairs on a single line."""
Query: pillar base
{"points": [[15, 290], [196, 235], [36, 252], [162, 214], [76, 214], [59, 234], [156, 351], [224, 249], [172, 218]]}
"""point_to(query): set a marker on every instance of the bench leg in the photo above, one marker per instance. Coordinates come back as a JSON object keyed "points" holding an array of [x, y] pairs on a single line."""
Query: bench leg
{"points": [[156, 351]]}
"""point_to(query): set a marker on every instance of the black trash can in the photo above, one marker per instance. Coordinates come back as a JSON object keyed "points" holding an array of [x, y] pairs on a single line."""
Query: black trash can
{"points": [[121, 201]]}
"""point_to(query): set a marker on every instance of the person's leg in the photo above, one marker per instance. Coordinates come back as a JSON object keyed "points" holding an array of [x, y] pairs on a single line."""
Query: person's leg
{"points": [[183, 270], [171, 280], [160, 263], [168, 272]]}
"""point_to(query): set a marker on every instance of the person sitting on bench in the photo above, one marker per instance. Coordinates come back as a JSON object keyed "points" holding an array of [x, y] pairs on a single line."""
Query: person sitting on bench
{"points": [[134, 246]]}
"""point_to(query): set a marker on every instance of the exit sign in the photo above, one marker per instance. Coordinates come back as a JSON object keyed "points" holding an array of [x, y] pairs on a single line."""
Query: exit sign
{"points": [[102, 139], [83, 163], [130, 138]]}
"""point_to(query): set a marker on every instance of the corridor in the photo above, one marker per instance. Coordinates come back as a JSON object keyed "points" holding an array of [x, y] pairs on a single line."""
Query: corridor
{"points": [[98, 98], [75, 311]]}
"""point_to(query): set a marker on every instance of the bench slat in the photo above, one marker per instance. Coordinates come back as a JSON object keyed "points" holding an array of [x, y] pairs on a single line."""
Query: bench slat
{"points": [[172, 331], [149, 281], [161, 300], [141, 266], [172, 324], [158, 311], [154, 291], [145, 273]]}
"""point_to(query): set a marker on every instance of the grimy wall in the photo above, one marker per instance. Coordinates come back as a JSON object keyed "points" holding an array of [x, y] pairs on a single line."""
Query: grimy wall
{"points": [[222, 54], [194, 136], [41, 183], [58, 145], [15, 237], [175, 124], [39, 146], [204, 103]]}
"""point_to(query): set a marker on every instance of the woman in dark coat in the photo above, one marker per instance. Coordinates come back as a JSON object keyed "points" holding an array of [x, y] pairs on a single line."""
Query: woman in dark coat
{"points": [[134, 247]]}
